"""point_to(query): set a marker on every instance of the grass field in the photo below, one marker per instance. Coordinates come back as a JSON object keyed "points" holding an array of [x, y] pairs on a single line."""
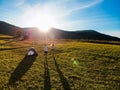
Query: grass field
{"points": [[74, 65]]}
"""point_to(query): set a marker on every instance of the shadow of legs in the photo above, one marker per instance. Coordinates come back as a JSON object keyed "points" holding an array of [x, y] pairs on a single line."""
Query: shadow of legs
{"points": [[21, 69], [62, 78], [13, 48], [47, 84]]}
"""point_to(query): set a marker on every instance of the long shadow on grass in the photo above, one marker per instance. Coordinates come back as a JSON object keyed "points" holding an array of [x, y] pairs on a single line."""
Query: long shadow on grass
{"points": [[21, 69], [64, 81], [2, 49], [10, 41], [47, 83]]}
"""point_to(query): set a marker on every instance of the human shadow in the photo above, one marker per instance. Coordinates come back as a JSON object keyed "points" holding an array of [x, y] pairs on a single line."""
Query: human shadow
{"points": [[64, 81], [10, 41], [47, 83], [2, 49], [21, 69]]}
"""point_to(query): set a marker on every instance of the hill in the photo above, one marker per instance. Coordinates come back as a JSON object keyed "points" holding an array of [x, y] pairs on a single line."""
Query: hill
{"points": [[9, 29], [84, 34]]}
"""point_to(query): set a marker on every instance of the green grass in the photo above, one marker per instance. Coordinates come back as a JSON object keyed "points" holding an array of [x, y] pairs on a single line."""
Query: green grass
{"points": [[75, 65]]}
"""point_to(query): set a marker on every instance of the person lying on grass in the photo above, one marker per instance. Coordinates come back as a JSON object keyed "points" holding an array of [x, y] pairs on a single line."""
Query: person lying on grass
{"points": [[31, 52]]}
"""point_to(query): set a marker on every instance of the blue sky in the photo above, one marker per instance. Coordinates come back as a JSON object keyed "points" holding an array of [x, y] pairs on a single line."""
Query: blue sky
{"points": [[99, 15]]}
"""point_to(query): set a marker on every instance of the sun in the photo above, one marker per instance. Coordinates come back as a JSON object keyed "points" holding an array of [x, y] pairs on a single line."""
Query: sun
{"points": [[45, 22], [41, 18]]}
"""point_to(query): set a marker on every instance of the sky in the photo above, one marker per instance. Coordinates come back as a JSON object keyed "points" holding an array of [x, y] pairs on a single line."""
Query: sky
{"points": [[100, 15]]}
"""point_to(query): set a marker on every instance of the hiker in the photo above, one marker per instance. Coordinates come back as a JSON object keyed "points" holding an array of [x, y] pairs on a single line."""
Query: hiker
{"points": [[52, 47], [45, 49], [32, 51]]}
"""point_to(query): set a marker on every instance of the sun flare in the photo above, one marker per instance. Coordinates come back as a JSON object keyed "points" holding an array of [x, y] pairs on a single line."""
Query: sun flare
{"points": [[41, 17], [42, 21], [45, 22]]}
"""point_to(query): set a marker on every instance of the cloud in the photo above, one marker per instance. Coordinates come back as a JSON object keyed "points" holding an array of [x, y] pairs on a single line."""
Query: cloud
{"points": [[61, 8], [98, 22], [19, 3], [67, 7], [57, 9], [81, 5], [115, 33]]}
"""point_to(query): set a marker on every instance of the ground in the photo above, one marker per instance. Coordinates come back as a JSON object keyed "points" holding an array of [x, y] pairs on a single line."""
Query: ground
{"points": [[74, 65]]}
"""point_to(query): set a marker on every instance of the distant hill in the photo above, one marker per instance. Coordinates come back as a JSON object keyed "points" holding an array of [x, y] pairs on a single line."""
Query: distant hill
{"points": [[9, 29], [84, 34]]}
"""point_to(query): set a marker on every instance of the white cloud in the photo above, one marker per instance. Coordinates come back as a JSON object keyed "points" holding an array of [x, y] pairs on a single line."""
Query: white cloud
{"points": [[57, 8], [19, 3], [61, 8], [82, 5], [115, 33]]}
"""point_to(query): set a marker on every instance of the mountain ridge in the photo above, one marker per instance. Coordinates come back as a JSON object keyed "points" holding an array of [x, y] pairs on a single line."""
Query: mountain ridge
{"points": [[9, 29], [86, 34]]}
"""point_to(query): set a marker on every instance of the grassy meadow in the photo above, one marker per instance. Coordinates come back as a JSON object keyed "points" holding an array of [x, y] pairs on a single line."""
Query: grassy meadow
{"points": [[74, 65]]}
